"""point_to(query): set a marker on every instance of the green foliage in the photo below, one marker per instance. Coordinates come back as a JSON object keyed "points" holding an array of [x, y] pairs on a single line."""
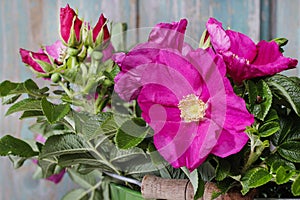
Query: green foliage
{"points": [[254, 178], [131, 133], [260, 98], [287, 89], [53, 112], [10, 145]]}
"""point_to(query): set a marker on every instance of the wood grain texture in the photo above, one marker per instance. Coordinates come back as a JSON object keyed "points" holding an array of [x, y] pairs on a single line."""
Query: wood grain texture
{"points": [[30, 23], [287, 18]]}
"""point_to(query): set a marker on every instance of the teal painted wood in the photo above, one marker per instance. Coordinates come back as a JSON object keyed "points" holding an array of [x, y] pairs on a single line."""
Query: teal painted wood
{"points": [[29, 24], [287, 20], [239, 15]]}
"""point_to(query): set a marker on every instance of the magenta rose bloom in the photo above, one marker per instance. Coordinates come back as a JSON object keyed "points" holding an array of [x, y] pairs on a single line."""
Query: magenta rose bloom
{"points": [[243, 58], [36, 59], [69, 29], [184, 96]]}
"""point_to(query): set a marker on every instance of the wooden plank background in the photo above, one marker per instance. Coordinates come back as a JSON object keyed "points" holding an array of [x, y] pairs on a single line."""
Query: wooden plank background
{"points": [[30, 23]]}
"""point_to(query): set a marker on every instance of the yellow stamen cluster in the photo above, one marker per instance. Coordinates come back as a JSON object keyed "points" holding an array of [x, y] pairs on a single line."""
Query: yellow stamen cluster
{"points": [[192, 108]]}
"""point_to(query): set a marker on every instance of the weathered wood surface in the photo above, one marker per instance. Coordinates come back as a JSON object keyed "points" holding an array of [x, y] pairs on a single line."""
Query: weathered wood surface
{"points": [[30, 23]]}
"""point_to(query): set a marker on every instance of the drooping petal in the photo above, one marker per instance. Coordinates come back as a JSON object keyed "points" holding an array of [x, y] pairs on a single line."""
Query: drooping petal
{"points": [[241, 45], [169, 34], [218, 37], [270, 60], [56, 178]]}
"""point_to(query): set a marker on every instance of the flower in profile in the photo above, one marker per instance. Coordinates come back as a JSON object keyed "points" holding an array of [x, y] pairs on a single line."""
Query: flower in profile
{"points": [[42, 60], [55, 178], [70, 26], [100, 31], [184, 96], [243, 58]]}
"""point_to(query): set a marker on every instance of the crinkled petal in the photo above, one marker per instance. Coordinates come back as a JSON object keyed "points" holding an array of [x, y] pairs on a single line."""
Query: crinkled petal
{"points": [[169, 34], [55, 49], [269, 61], [218, 37], [241, 45]]}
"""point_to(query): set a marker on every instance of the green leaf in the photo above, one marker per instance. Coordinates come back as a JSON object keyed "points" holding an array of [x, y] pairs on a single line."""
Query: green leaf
{"points": [[271, 116], [207, 171], [90, 125], [48, 166], [119, 192], [131, 134], [10, 145], [10, 99], [222, 170], [17, 161], [58, 145], [284, 175], [296, 186], [268, 129], [198, 184], [254, 178], [286, 88], [25, 105], [32, 113], [286, 124], [76, 194], [290, 151], [53, 112], [8, 88], [260, 98], [84, 180]]}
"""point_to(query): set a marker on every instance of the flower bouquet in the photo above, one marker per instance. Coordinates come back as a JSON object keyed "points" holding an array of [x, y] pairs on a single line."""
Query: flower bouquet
{"points": [[163, 117]]}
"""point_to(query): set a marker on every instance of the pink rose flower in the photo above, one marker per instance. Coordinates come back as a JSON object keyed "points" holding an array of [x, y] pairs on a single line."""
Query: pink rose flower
{"points": [[184, 96], [243, 58], [70, 29], [36, 59]]}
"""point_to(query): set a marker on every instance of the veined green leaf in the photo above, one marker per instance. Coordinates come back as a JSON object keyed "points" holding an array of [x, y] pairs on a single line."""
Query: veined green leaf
{"points": [[254, 178], [25, 105], [260, 98], [284, 175], [130, 134], [287, 89], [296, 186], [290, 151], [10, 145], [58, 145], [268, 129], [53, 112], [9, 88], [222, 170], [90, 125], [84, 180]]}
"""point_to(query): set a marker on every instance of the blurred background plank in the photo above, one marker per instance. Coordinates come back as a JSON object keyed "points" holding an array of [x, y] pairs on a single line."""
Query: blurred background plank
{"points": [[30, 23]]}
